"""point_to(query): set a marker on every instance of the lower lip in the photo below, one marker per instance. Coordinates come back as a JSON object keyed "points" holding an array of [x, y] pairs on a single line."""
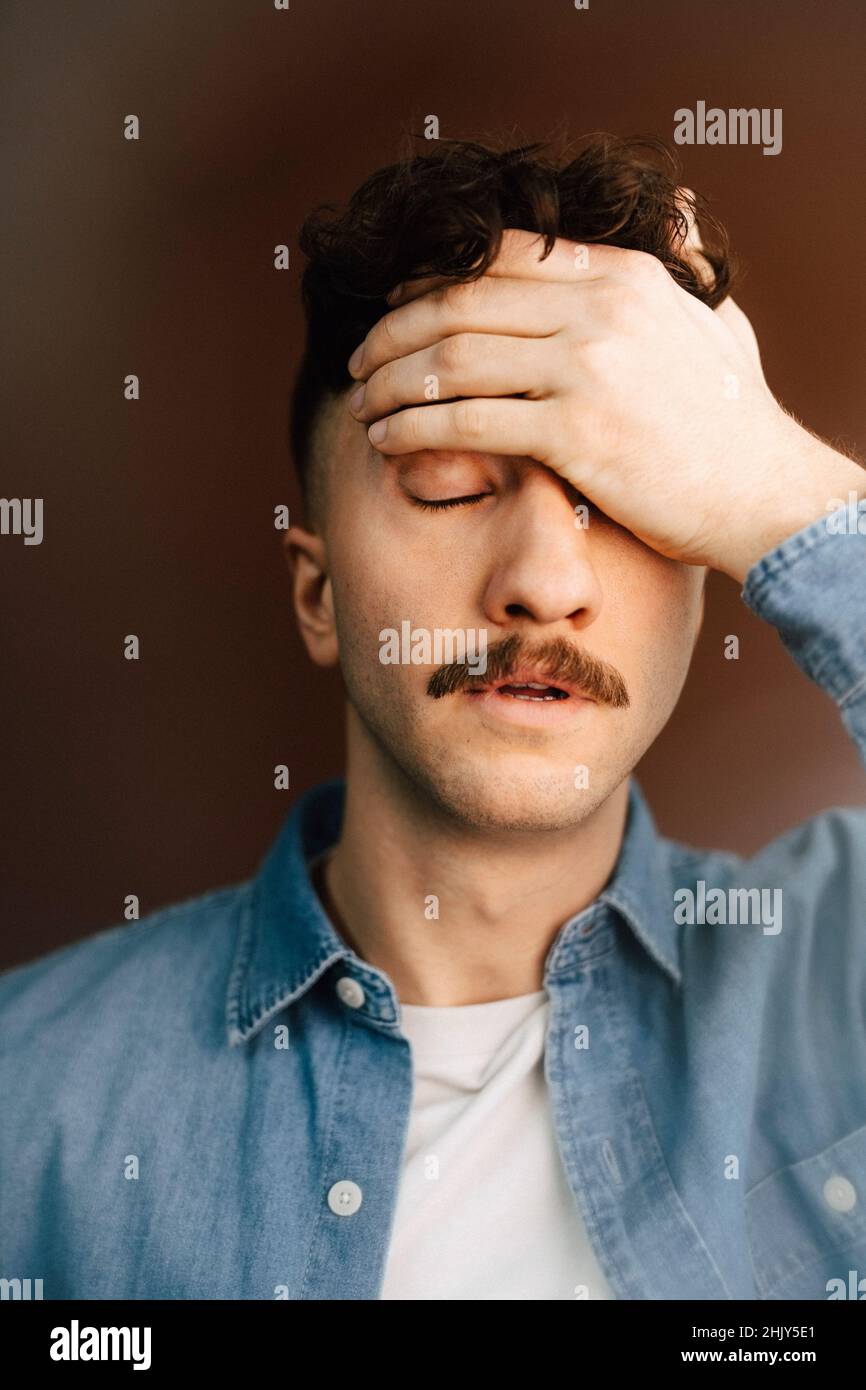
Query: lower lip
{"points": [[528, 713]]}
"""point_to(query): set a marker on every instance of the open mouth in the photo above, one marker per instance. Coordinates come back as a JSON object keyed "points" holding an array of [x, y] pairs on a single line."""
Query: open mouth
{"points": [[525, 690]]}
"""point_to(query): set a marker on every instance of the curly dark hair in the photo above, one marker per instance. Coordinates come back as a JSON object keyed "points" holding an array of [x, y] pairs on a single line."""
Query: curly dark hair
{"points": [[444, 212]]}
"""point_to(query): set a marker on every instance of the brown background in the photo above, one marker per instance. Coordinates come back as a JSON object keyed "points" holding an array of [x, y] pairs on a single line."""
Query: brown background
{"points": [[155, 777]]}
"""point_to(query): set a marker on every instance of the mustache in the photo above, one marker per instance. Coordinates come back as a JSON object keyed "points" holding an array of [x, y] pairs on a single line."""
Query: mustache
{"points": [[557, 660]]}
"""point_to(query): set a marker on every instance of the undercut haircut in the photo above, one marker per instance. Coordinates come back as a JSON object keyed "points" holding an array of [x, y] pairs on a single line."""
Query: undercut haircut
{"points": [[443, 213]]}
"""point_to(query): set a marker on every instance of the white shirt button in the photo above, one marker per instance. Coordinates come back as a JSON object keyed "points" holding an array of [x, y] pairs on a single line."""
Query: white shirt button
{"points": [[350, 992], [344, 1198], [839, 1193]]}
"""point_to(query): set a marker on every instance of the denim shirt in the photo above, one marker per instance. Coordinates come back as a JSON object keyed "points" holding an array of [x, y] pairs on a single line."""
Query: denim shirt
{"points": [[213, 1102]]}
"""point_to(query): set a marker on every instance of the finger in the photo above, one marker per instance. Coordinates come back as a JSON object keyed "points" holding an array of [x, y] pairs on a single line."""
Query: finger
{"points": [[488, 305], [691, 247], [494, 426], [413, 289], [520, 254], [469, 364]]}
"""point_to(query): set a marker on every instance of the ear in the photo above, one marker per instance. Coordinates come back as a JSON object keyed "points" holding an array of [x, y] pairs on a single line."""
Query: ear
{"points": [[312, 594], [703, 607]]}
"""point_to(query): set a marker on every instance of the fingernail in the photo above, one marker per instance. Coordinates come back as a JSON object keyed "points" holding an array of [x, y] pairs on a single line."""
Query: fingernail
{"points": [[356, 359], [357, 398], [376, 433]]}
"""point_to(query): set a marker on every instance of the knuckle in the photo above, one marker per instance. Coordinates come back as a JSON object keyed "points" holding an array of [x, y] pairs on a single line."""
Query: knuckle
{"points": [[386, 329], [454, 352], [644, 267], [628, 308], [406, 427], [599, 356], [410, 426], [459, 296], [382, 383], [469, 419]]}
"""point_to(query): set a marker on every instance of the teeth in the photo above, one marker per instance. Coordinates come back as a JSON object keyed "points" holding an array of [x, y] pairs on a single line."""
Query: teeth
{"points": [[513, 689]]}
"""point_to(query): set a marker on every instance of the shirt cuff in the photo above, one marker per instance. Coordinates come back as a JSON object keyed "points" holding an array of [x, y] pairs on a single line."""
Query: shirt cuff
{"points": [[812, 588]]}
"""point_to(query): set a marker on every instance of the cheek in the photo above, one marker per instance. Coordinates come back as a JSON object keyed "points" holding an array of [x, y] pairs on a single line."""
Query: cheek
{"points": [[376, 588], [388, 567], [363, 605], [654, 605], [671, 620]]}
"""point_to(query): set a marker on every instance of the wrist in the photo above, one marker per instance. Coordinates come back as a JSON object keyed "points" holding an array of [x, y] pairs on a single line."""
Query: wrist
{"points": [[805, 480]]}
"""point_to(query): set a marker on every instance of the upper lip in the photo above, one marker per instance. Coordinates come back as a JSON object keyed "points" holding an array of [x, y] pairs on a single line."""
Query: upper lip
{"points": [[528, 675]]}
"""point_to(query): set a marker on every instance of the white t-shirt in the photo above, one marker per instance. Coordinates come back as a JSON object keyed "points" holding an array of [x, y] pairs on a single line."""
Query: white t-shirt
{"points": [[484, 1209]]}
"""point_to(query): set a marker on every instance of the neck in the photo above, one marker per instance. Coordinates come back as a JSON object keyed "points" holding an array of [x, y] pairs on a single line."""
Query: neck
{"points": [[454, 914]]}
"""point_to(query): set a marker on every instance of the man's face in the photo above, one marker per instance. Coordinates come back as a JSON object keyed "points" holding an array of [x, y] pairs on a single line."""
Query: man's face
{"points": [[513, 564]]}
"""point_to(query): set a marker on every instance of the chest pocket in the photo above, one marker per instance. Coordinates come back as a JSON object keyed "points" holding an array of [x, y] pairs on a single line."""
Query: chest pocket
{"points": [[807, 1225]]}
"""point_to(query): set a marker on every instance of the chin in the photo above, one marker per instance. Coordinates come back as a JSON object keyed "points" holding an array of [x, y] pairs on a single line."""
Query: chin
{"points": [[488, 798]]}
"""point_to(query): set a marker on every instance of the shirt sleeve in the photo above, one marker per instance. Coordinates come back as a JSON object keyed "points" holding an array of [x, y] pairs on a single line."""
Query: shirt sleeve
{"points": [[812, 588]]}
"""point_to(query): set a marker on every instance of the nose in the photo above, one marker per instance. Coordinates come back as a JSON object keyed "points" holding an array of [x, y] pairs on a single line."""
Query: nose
{"points": [[542, 568]]}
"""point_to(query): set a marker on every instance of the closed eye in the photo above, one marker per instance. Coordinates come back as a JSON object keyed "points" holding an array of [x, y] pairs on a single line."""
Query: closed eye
{"points": [[431, 506]]}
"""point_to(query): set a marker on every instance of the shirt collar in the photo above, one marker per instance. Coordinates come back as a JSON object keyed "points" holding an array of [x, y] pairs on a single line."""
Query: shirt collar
{"points": [[640, 888], [286, 940]]}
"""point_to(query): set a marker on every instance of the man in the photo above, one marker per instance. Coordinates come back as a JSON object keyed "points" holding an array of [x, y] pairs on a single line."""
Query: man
{"points": [[475, 1030]]}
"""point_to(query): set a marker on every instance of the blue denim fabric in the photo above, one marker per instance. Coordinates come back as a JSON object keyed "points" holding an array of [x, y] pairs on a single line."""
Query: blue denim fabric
{"points": [[713, 1133]]}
